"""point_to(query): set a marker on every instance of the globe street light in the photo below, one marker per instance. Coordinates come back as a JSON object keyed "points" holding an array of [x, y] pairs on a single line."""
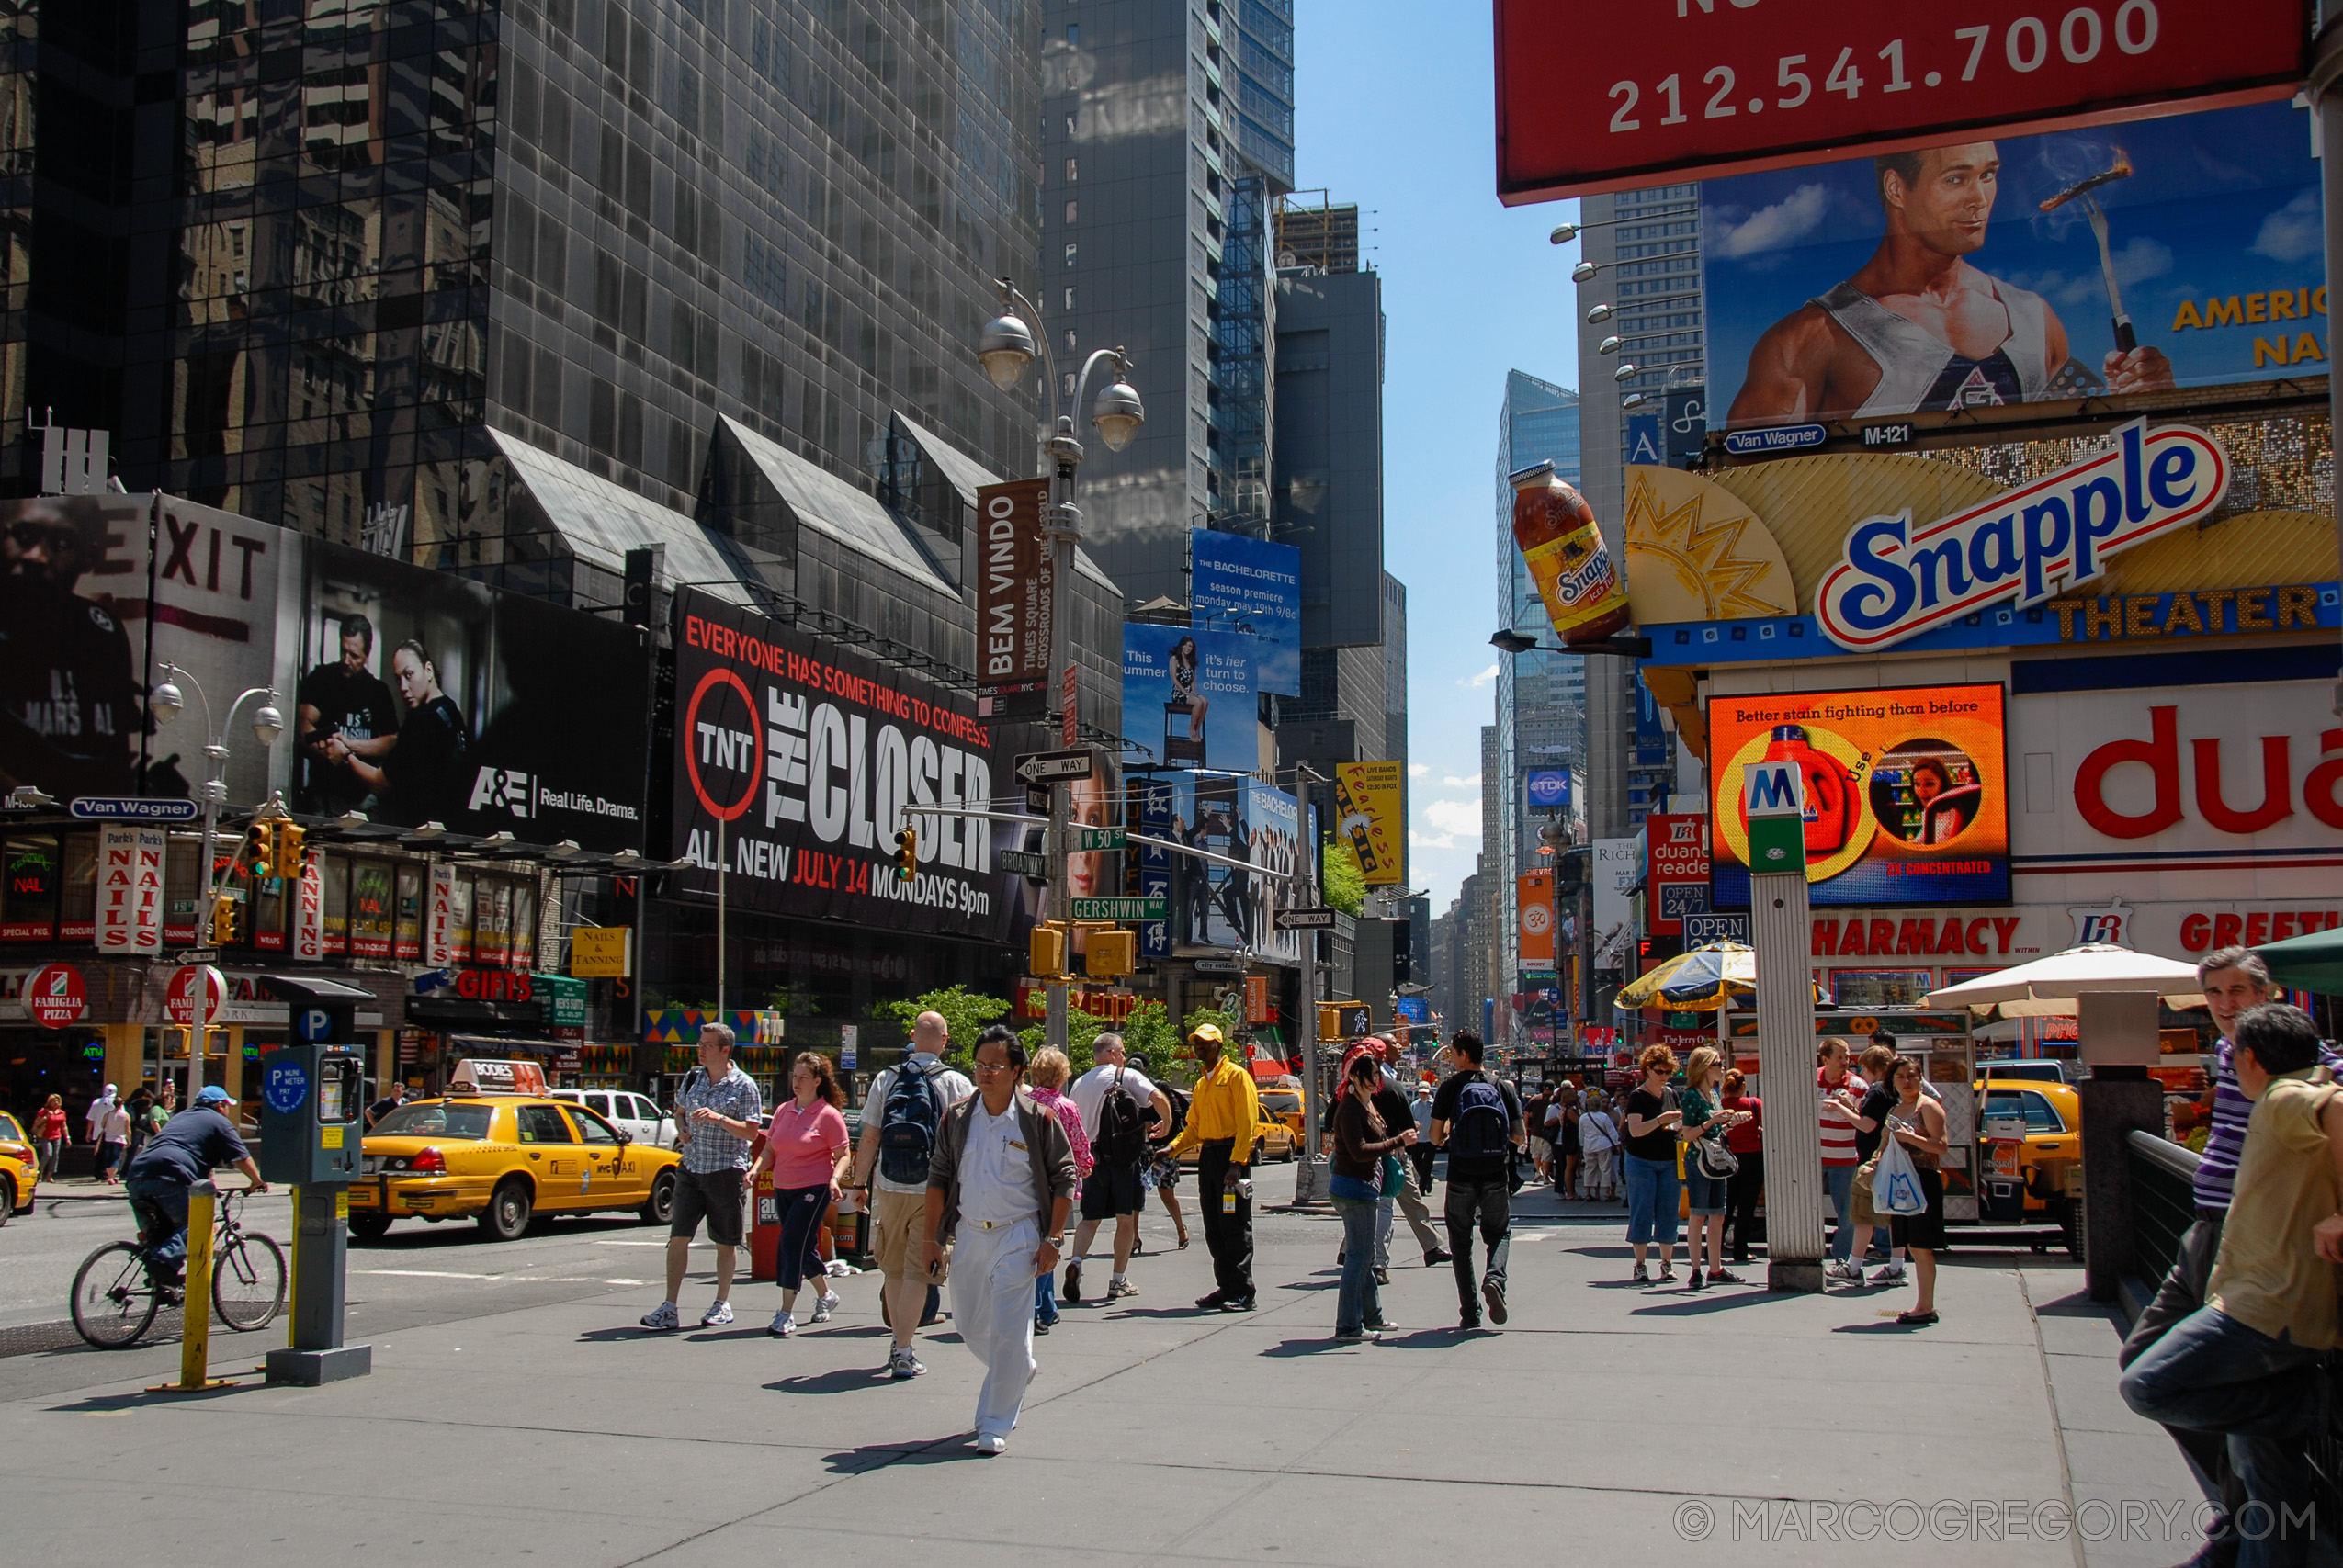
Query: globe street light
{"points": [[1006, 346]]}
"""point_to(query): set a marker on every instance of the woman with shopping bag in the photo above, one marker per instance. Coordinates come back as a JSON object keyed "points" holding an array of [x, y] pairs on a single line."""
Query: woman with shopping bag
{"points": [[1908, 1187]]}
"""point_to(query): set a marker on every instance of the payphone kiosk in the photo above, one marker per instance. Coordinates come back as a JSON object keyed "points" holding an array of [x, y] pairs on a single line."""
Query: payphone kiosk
{"points": [[312, 1128]]}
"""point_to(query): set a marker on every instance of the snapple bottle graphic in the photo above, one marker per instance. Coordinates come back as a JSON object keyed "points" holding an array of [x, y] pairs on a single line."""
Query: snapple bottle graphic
{"points": [[1830, 789], [1555, 527]]}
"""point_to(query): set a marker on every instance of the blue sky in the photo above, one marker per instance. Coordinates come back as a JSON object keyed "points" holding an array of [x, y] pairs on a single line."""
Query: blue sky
{"points": [[1394, 112]]}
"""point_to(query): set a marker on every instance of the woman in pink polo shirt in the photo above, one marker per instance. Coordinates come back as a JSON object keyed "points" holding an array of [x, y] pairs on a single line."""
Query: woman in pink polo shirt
{"points": [[805, 1144]]}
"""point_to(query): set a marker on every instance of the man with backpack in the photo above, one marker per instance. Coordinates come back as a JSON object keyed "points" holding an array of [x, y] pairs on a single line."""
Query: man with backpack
{"points": [[901, 1116], [1478, 1121], [1114, 1101]]}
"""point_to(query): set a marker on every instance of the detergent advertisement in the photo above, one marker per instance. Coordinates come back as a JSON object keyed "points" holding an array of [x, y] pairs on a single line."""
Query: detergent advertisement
{"points": [[2186, 251], [1907, 798]]}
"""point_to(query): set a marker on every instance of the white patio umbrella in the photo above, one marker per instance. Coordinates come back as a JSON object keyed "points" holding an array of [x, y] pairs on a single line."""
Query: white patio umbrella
{"points": [[2047, 987]]}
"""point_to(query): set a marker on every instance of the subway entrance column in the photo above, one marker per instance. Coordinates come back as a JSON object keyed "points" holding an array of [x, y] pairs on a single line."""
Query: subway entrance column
{"points": [[310, 1130]]}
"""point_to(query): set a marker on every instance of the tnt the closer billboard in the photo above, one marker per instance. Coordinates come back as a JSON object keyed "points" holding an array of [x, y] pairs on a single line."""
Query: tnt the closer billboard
{"points": [[1907, 801]]}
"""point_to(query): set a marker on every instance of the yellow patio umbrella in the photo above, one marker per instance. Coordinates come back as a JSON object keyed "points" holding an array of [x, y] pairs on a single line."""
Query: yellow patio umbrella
{"points": [[1703, 980]]}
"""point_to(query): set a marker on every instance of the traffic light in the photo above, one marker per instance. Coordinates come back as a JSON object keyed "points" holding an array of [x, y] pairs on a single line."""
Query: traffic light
{"points": [[260, 849], [223, 921], [1045, 951], [1113, 952], [1571, 872], [907, 854], [288, 848]]}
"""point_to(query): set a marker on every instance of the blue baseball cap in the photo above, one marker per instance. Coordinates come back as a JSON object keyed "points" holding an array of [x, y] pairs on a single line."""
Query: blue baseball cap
{"points": [[212, 1094]]}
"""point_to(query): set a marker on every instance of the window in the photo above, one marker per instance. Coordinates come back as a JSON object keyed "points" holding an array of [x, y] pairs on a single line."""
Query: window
{"points": [[768, 54], [439, 1121], [1069, 297], [763, 271], [1073, 174], [1074, 34], [592, 1129], [1073, 209], [2040, 1114], [540, 1125], [1072, 252]]}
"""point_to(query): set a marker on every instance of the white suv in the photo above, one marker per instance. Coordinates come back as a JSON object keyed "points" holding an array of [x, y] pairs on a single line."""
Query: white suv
{"points": [[642, 1120]]}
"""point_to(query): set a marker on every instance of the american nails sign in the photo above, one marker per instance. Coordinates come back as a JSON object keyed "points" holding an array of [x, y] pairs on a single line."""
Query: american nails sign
{"points": [[2042, 539]]}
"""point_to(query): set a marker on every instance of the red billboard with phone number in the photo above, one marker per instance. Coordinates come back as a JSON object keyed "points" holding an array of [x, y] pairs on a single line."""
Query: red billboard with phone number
{"points": [[1709, 87]]}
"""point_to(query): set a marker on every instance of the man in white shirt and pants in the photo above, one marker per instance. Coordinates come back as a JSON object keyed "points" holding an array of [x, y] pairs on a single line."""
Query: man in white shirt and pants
{"points": [[999, 1191]]}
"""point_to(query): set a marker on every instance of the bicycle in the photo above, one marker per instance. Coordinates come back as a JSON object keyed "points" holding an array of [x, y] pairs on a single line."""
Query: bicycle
{"points": [[115, 1298]]}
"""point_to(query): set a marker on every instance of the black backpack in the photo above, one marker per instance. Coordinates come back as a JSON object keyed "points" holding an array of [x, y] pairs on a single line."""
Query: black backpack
{"points": [[908, 1124], [1122, 1134], [1482, 1128]]}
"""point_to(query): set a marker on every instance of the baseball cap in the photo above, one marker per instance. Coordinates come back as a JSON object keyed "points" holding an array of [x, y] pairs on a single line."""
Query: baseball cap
{"points": [[1210, 1032], [212, 1094]]}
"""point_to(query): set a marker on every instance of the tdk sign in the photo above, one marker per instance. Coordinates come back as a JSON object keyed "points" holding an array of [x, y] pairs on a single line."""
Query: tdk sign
{"points": [[2039, 540]]}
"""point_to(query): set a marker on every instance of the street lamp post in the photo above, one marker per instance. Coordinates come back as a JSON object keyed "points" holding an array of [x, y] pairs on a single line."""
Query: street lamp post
{"points": [[1006, 348], [164, 703]]}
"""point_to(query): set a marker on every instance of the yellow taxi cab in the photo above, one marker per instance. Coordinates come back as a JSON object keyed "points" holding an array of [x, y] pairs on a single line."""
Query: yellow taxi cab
{"points": [[502, 1160], [2034, 1178], [19, 1169], [1273, 1139], [1282, 1102]]}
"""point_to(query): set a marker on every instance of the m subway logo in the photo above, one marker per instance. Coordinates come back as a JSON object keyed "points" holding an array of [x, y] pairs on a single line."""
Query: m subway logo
{"points": [[2040, 539]]}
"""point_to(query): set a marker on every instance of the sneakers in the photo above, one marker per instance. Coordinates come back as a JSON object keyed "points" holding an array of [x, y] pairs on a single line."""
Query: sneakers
{"points": [[662, 1317], [1667, 1272], [1840, 1269], [1435, 1258], [1643, 1275], [1236, 1304], [1725, 1277], [1382, 1276], [717, 1314], [1383, 1326], [902, 1364], [1467, 1323], [783, 1326], [1213, 1301], [1044, 1325], [1349, 1335], [1118, 1287], [992, 1447], [1493, 1293], [823, 1306], [1073, 1294], [1893, 1274], [1695, 1282]]}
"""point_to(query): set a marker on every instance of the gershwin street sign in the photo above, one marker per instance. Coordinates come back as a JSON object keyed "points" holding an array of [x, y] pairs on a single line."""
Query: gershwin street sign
{"points": [[1121, 909]]}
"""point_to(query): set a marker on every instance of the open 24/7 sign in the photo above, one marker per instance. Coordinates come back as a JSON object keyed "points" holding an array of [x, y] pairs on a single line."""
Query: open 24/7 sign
{"points": [[1707, 87]]}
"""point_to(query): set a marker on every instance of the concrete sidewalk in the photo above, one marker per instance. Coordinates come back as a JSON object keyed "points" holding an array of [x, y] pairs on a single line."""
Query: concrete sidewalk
{"points": [[1604, 1418]]}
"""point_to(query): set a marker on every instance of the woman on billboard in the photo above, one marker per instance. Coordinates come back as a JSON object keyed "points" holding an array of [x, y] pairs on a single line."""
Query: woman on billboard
{"points": [[419, 779]]}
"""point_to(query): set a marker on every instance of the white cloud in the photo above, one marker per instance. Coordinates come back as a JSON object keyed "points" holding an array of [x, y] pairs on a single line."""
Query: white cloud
{"points": [[1483, 679], [2140, 259], [1417, 840], [1417, 770], [1455, 782], [1461, 817], [2293, 231], [1777, 227]]}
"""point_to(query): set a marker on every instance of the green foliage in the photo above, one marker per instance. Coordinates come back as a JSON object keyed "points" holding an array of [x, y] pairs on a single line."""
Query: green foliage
{"points": [[1345, 883], [1082, 1031], [1147, 1038], [965, 1013], [1149, 1041]]}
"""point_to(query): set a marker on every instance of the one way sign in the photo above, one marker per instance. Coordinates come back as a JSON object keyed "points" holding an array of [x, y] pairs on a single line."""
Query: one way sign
{"points": [[1055, 767]]}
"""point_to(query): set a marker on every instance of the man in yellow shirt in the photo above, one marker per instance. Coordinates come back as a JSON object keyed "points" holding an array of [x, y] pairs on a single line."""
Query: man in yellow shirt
{"points": [[2245, 1365], [1221, 1118]]}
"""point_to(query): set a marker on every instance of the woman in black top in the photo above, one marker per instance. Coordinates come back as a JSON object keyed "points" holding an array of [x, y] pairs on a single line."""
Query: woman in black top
{"points": [[1652, 1183], [1361, 1139]]}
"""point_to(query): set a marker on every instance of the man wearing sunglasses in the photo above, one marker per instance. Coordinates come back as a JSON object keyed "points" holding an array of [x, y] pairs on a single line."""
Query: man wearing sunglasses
{"points": [[69, 696]]}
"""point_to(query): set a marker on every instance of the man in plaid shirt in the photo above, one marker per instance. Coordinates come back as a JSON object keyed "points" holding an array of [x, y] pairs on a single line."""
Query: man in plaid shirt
{"points": [[716, 1115]]}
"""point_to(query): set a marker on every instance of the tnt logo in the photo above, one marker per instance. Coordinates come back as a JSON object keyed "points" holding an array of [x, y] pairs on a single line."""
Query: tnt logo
{"points": [[2109, 922], [501, 788]]}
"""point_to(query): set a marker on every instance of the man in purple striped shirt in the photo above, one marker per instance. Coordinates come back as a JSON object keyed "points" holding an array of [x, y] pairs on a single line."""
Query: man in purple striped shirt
{"points": [[2233, 980]]}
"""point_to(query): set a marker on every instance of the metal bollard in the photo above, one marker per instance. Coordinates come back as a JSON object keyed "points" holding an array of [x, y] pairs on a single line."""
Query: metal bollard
{"points": [[195, 1336]]}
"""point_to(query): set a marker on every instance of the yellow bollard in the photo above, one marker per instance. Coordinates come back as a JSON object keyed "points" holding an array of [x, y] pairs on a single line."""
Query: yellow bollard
{"points": [[195, 1336]]}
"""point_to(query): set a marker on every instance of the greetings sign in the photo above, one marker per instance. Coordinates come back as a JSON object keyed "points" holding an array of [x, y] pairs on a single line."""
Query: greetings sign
{"points": [[2025, 544], [1013, 600], [1905, 794], [129, 890], [798, 762]]}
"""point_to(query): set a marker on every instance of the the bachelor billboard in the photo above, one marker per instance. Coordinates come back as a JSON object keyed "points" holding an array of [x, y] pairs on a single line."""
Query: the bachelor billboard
{"points": [[798, 762], [1241, 584], [409, 694], [2186, 251], [1905, 794]]}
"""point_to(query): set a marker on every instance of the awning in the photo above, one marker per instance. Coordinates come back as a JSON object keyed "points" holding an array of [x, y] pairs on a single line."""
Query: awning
{"points": [[831, 506], [600, 521]]}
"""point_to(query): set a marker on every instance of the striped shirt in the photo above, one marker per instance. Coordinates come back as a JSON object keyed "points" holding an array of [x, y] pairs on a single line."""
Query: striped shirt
{"points": [[1838, 1126], [2217, 1166]]}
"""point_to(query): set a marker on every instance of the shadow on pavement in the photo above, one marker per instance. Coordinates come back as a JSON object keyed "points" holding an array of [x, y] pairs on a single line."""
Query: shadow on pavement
{"points": [[619, 1333], [879, 1456], [839, 1380], [1687, 1305]]}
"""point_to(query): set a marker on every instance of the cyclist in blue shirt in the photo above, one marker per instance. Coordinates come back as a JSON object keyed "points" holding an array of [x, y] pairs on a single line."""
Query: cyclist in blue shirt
{"points": [[190, 1146]]}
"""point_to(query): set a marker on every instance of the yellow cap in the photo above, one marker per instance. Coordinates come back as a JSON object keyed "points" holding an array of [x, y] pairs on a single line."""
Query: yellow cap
{"points": [[1210, 1032]]}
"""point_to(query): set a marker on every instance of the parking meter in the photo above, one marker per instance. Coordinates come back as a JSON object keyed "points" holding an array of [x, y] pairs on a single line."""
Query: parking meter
{"points": [[310, 1109], [313, 1096]]}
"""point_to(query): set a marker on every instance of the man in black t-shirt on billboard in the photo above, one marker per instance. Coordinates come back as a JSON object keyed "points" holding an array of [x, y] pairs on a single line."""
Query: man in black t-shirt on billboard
{"points": [[1478, 1121], [344, 700]]}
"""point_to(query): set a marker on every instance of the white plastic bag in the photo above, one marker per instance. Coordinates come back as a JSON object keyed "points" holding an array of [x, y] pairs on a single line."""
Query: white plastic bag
{"points": [[1896, 1185]]}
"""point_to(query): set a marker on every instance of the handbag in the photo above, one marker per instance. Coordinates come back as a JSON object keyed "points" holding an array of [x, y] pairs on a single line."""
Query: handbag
{"points": [[1393, 1179], [1717, 1161], [1896, 1186]]}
